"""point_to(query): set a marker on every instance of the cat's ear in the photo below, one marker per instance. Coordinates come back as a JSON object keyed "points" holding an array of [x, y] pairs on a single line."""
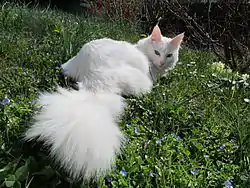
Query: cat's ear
{"points": [[156, 34], [177, 40]]}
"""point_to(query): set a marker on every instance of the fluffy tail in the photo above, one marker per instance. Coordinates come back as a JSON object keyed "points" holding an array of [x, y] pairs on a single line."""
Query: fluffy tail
{"points": [[81, 130]]}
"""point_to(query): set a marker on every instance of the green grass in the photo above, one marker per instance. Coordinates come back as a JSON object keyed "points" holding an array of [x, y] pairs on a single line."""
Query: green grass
{"points": [[193, 128]]}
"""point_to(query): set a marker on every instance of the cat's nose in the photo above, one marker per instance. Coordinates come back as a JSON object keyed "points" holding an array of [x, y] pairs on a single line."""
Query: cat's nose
{"points": [[161, 63]]}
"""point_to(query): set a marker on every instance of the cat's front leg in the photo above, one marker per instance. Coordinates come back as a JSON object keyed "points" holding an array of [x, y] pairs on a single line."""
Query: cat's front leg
{"points": [[132, 81]]}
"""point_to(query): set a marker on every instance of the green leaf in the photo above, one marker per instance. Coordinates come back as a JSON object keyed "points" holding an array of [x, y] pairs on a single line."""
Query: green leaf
{"points": [[31, 164], [9, 182], [48, 172], [244, 178], [17, 184], [22, 173]]}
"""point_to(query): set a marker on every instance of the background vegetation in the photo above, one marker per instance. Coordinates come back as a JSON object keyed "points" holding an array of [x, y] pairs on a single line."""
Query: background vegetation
{"points": [[192, 130], [220, 26]]}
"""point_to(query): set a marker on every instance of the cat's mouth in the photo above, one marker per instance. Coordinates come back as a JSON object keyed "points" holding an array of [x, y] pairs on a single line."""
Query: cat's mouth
{"points": [[161, 66]]}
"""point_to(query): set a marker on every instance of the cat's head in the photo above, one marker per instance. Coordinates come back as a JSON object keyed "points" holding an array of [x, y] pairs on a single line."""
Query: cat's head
{"points": [[163, 52]]}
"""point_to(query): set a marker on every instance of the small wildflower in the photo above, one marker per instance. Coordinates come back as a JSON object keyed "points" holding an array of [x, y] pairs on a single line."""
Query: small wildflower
{"points": [[136, 130], [32, 102], [178, 137], [172, 134], [247, 100], [245, 76], [158, 141], [109, 180], [163, 138], [5, 101], [123, 172], [228, 184], [222, 147], [219, 66], [151, 174], [194, 172], [32, 76], [57, 67]]}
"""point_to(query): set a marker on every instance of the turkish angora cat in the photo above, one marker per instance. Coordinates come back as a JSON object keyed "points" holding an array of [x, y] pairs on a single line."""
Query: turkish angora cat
{"points": [[81, 126], [130, 67]]}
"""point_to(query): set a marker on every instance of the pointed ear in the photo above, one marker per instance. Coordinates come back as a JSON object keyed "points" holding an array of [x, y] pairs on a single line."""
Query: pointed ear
{"points": [[156, 34], [176, 41]]}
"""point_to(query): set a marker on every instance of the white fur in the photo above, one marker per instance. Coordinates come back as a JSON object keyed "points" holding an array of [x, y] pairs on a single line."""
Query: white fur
{"points": [[80, 126], [159, 65], [106, 59], [117, 63], [124, 79]]}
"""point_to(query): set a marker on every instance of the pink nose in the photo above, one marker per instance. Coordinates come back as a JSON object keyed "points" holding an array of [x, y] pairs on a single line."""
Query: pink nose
{"points": [[161, 63]]}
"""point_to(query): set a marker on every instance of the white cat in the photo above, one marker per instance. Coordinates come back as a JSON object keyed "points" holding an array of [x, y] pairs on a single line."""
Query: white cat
{"points": [[130, 67], [80, 129], [81, 126]]}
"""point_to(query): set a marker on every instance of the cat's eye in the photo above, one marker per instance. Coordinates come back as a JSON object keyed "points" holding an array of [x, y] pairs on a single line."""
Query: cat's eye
{"points": [[169, 55], [157, 53]]}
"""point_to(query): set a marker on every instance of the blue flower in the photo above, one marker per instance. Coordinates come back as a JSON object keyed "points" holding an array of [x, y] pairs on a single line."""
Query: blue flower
{"points": [[136, 130], [163, 138], [194, 172], [57, 67], [177, 137], [172, 134], [123, 172], [32, 102], [109, 180], [151, 174], [158, 141], [228, 184], [5, 101], [32, 76], [222, 147]]}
